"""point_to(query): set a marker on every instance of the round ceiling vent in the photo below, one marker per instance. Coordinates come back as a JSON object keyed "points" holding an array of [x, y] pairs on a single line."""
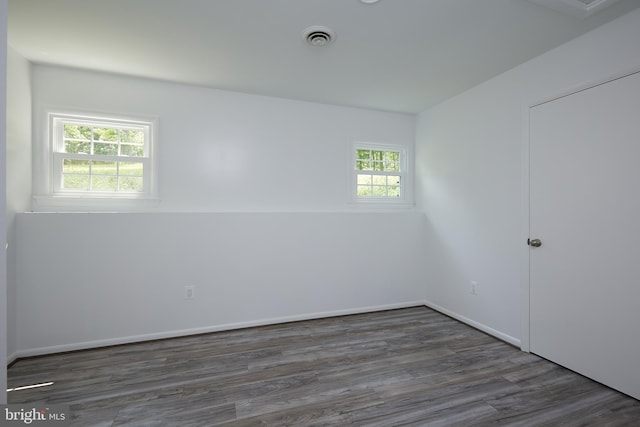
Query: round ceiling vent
{"points": [[318, 36]]}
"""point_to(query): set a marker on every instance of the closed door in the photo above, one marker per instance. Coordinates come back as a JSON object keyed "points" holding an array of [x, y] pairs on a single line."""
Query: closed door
{"points": [[585, 210]]}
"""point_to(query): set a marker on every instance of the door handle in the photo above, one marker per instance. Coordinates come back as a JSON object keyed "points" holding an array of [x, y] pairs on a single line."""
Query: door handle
{"points": [[536, 243]]}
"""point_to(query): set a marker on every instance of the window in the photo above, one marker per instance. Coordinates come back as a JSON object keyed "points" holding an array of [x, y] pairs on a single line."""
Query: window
{"points": [[100, 156], [379, 172]]}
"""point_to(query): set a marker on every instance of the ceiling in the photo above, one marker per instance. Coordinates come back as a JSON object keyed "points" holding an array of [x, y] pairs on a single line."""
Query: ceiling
{"points": [[394, 55]]}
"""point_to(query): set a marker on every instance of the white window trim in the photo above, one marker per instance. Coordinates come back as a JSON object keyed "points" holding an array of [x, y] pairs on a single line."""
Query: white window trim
{"points": [[47, 193], [405, 173]]}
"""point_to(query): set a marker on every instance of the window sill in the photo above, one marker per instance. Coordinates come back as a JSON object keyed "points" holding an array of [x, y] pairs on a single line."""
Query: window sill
{"points": [[382, 204], [93, 203]]}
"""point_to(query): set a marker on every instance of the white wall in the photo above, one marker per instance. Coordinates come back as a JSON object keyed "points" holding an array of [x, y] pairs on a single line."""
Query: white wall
{"points": [[18, 169], [469, 167], [255, 213], [226, 151], [101, 278]]}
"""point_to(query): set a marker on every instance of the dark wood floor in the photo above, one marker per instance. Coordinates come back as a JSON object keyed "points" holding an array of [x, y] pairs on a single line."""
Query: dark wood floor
{"points": [[401, 367]]}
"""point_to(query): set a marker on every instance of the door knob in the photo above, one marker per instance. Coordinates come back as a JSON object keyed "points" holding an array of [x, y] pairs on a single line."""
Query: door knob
{"points": [[536, 243]]}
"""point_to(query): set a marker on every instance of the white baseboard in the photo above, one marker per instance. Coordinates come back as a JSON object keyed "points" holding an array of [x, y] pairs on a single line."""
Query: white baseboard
{"points": [[12, 358], [260, 322], [207, 329], [484, 328]]}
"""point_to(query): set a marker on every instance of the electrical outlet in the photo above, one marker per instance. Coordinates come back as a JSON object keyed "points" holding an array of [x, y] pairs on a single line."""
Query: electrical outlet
{"points": [[189, 292], [473, 289]]}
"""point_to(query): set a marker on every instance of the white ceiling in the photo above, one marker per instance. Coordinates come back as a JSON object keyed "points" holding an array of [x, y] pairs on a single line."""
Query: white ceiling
{"points": [[395, 55]]}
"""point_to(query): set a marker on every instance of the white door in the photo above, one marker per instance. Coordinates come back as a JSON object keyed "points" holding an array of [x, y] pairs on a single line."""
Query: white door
{"points": [[585, 209]]}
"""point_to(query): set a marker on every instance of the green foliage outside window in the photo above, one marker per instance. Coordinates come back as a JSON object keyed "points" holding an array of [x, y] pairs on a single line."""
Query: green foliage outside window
{"points": [[103, 141], [103, 175], [381, 182]]}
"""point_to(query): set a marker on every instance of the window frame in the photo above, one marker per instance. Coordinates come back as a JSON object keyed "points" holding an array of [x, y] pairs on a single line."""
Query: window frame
{"points": [[51, 178], [402, 172]]}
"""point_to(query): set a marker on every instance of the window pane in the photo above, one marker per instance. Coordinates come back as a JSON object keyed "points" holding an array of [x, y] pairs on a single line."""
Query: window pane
{"points": [[363, 154], [75, 182], [105, 149], [364, 179], [377, 185], [393, 191], [104, 183], [131, 184], [103, 168], [131, 168], [377, 155], [392, 166], [384, 179], [379, 191], [132, 150], [362, 165], [77, 132], [135, 136], [393, 156], [77, 147], [105, 134], [379, 180], [75, 166], [364, 191]]}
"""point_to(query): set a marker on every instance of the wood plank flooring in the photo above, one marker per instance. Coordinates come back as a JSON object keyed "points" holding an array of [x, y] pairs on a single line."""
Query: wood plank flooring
{"points": [[402, 367]]}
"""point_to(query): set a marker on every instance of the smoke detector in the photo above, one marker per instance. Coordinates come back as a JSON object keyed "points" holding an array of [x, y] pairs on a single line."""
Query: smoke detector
{"points": [[319, 36], [576, 8]]}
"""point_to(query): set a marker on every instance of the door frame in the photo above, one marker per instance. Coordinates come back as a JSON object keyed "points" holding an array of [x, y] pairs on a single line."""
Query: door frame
{"points": [[525, 344]]}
